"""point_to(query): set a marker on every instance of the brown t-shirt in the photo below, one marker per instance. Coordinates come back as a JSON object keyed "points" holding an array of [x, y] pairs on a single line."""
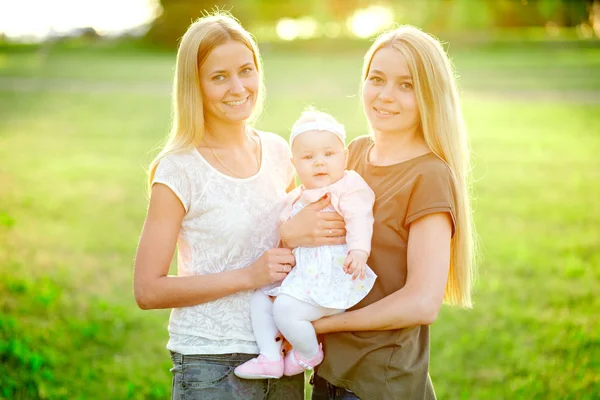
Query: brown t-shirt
{"points": [[391, 364]]}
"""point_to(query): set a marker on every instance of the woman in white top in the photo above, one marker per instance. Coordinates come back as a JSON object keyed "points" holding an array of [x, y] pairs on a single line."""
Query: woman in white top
{"points": [[217, 189]]}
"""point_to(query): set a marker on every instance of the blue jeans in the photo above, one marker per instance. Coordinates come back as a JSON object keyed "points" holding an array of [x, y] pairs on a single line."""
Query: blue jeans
{"points": [[210, 377], [323, 390]]}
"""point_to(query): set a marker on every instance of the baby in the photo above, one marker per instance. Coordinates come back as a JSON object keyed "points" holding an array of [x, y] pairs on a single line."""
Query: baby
{"points": [[328, 279]]}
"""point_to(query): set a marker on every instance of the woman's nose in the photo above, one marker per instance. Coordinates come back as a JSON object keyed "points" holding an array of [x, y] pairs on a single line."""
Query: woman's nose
{"points": [[236, 86], [386, 94]]}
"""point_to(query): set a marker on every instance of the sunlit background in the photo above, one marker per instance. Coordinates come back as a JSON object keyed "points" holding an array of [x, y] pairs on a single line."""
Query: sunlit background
{"points": [[25, 20], [37, 20], [116, 18], [85, 104]]}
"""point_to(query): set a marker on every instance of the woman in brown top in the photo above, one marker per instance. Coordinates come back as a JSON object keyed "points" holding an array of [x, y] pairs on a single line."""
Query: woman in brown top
{"points": [[417, 163]]}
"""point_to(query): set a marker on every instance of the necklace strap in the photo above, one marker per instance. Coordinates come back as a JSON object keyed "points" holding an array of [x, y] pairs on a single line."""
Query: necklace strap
{"points": [[235, 174]]}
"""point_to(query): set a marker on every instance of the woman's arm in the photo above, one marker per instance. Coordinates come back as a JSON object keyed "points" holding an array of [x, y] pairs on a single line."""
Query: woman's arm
{"points": [[291, 186], [153, 287], [419, 301], [356, 204], [311, 227]]}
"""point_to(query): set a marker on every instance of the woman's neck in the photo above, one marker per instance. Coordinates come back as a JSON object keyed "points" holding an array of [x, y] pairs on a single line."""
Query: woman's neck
{"points": [[391, 148], [225, 135]]}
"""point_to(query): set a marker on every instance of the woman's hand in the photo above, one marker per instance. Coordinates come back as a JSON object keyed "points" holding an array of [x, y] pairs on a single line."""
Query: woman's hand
{"points": [[312, 228], [273, 266]]}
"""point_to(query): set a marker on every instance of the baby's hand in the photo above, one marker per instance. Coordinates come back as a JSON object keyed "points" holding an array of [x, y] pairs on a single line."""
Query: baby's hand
{"points": [[356, 264]]}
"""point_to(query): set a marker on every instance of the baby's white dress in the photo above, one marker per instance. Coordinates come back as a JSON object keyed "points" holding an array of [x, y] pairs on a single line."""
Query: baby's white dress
{"points": [[318, 277]]}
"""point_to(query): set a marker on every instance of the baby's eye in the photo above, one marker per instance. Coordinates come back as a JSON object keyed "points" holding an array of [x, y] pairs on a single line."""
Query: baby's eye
{"points": [[307, 157], [329, 153]]}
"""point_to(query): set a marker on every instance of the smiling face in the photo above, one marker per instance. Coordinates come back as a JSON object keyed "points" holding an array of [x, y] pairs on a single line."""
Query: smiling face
{"points": [[229, 83], [319, 158], [388, 93]]}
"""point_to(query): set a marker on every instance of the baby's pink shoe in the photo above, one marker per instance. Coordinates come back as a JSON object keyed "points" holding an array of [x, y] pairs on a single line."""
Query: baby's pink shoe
{"points": [[260, 368], [296, 364]]}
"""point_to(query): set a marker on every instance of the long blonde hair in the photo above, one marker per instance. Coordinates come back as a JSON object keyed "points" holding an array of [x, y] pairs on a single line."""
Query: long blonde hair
{"points": [[199, 40], [443, 128]]}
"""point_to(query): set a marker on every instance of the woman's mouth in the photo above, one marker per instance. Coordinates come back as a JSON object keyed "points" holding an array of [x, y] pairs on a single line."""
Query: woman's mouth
{"points": [[384, 113], [236, 103]]}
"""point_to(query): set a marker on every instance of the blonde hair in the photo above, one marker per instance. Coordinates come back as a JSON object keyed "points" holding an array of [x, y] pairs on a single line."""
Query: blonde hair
{"points": [[443, 128], [311, 114], [323, 120], [199, 40]]}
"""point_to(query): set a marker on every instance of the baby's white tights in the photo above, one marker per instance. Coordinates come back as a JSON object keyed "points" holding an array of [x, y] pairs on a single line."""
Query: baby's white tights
{"points": [[289, 316]]}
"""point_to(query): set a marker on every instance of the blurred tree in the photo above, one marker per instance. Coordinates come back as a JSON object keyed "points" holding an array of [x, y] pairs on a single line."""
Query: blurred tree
{"points": [[523, 13], [342, 9], [565, 13], [433, 15], [269, 11], [174, 19], [178, 14]]}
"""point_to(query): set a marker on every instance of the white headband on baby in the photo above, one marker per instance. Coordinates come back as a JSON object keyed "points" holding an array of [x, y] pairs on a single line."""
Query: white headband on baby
{"points": [[319, 124]]}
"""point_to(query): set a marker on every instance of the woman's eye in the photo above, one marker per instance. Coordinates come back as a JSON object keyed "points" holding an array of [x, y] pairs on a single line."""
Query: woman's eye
{"points": [[246, 71], [375, 79], [218, 77], [406, 85]]}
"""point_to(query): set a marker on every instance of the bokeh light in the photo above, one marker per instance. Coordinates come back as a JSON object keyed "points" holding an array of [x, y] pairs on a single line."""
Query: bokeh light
{"points": [[301, 28], [370, 21], [63, 16]]}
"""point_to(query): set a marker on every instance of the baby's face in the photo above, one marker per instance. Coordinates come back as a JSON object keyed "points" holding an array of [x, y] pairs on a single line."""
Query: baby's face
{"points": [[319, 158]]}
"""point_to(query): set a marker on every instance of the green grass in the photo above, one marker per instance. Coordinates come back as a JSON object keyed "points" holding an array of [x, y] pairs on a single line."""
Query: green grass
{"points": [[72, 202]]}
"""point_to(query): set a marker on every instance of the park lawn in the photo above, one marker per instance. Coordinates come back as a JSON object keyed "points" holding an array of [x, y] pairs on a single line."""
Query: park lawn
{"points": [[72, 203], [521, 66]]}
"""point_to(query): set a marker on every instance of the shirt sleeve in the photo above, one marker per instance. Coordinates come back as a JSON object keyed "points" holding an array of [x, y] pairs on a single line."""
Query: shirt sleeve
{"points": [[288, 202], [433, 192], [172, 175], [356, 206], [283, 155], [290, 172], [286, 157]]}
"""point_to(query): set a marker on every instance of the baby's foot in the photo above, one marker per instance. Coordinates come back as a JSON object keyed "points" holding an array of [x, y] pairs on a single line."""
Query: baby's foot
{"points": [[260, 368], [296, 364]]}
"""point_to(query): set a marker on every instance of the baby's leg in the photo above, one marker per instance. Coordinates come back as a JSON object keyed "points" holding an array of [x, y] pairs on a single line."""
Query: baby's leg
{"points": [[293, 318], [264, 326]]}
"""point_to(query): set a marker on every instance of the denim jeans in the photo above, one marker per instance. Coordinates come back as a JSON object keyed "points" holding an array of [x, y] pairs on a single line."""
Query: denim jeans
{"points": [[210, 377], [323, 390]]}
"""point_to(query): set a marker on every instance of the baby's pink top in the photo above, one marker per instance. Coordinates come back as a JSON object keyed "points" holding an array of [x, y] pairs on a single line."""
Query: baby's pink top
{"points": [[352, 198]]}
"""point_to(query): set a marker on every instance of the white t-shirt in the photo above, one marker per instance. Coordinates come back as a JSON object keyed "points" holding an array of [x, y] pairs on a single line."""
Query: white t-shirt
{"points": [[229, 223]]}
